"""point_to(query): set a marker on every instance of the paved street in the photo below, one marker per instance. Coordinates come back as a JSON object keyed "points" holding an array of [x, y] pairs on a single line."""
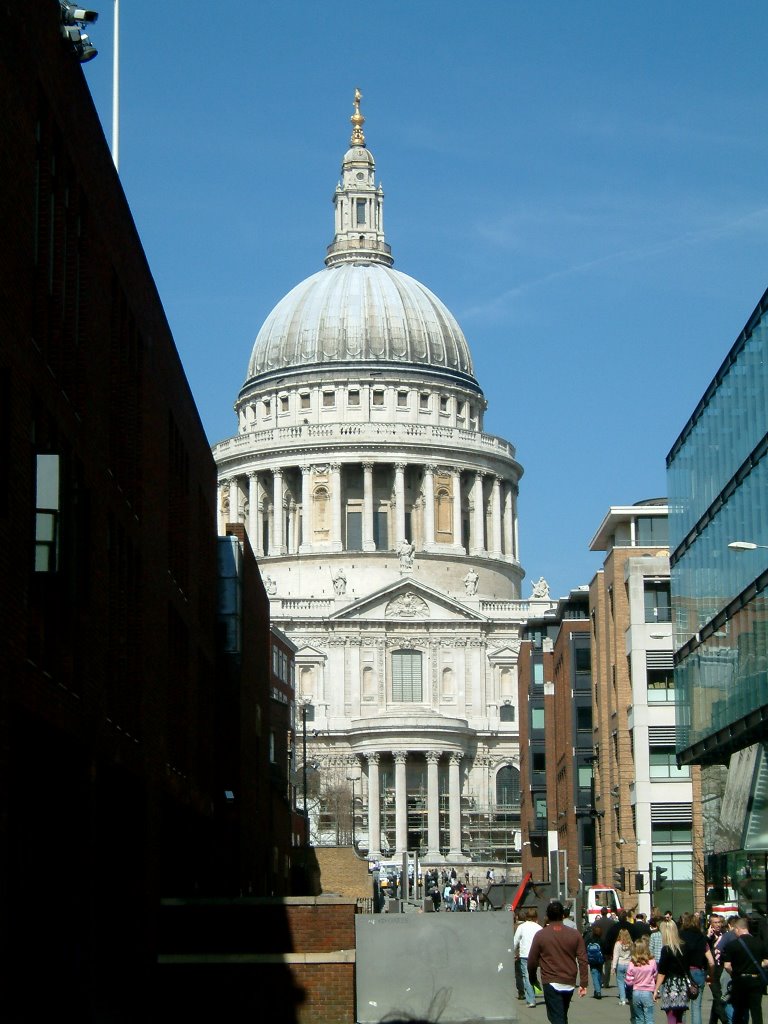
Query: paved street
{"points": [[600, 1011]]}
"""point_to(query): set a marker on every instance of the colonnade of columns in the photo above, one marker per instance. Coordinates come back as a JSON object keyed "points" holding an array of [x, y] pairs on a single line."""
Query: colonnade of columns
{"points": [[401, 804], [300, 509]]}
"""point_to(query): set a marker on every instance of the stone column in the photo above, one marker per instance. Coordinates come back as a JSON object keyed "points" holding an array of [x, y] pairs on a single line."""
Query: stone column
{"points": [[515, 542], [454, 808], [401, 804], [477, 544], [433, 806], [400, 504], [508, 499], [306, 510], [368, 544], [496, 517], [429, 507], [253, 508], [260, 496], [336, 507], [457, 509], [290, 545], [374, 808], [277, 514], [222, 512]]}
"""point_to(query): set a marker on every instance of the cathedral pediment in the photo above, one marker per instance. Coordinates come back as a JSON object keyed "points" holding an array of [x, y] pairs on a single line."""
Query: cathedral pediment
{"points": [[312, 654], [408, 601]]}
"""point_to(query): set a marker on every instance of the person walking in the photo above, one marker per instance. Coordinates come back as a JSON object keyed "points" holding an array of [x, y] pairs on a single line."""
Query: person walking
{"points": [[596, 959], [622, 953], [560, 954], [672, 977], [721, 1012], [641, 978], [521, 945], [745, 959], [698, 958]]}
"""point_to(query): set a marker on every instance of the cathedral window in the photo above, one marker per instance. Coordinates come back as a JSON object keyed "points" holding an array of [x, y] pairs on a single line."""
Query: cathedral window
{"points": [[267, 408], [354, 529], [407, 676], [507, 713], [329, 399], [443, 404], [402, 399], [378, 397], [360, 205], [508, 786], [444, 516], [424, 401], [284, 403], [304, 400], [353, 398]]}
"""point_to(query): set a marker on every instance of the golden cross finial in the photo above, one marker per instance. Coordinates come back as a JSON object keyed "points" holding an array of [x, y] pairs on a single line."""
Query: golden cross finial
{"points": [[357, 119]]}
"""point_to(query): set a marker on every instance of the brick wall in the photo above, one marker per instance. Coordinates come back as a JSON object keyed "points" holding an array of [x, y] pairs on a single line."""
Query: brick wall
{"points": [[293, 957], [343, 873]]}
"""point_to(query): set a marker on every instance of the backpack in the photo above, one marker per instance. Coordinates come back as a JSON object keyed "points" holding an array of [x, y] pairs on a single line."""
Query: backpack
{"points": [[595, 956]]}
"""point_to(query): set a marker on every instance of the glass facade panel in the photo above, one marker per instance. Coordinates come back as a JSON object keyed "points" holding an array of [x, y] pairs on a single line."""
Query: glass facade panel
{"points": [[730, 425]]}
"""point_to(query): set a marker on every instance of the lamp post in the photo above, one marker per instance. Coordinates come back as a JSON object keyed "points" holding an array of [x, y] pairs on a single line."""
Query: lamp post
{"points": [[304, 703], [353, 777]]}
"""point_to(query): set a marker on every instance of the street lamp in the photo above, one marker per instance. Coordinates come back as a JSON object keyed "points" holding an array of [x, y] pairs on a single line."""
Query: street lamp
{"points": [[353, 777], [304, 703], [745, 545]]}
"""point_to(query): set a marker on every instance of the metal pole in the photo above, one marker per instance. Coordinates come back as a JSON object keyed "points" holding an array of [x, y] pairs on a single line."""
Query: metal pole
{"points": [[116, 87], [353, 813], [304, 768]]}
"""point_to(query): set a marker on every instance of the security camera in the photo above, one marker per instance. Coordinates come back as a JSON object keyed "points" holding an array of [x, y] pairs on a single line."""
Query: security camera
{"points": [[70, 14]]}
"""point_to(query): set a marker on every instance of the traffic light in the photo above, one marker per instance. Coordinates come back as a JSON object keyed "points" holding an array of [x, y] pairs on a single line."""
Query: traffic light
{"points": [[639, 881], [620, 878], [661, 874]]}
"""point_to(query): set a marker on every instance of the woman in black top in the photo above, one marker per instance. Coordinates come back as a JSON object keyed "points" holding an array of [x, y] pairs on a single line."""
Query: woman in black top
{"points": [[672, 979], [698, 958]]}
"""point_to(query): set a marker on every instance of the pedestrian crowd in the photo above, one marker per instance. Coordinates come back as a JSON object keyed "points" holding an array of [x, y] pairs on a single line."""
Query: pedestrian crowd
{"points": [[657, 960], [446, 889]]}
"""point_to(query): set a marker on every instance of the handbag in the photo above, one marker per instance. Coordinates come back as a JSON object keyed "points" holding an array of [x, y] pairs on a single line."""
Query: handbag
{"points": [[693, 989]]}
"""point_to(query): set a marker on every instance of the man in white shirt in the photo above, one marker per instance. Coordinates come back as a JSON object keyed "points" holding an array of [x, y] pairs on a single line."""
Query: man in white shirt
{"points": [[521, 946]]}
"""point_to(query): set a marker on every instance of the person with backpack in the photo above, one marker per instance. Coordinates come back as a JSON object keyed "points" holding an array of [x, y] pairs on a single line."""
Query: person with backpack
{"points": [[596, 959]]}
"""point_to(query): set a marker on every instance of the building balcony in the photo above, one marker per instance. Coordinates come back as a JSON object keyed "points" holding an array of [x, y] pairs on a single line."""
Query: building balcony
{"points": [[273, 443]]}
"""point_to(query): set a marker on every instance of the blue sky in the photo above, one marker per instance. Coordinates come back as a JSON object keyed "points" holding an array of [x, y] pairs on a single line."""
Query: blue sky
{"points": [[582, 183]]}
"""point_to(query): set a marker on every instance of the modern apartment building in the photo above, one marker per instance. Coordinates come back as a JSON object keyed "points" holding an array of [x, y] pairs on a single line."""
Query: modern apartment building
{"points": [[717, 474], [648, 809], [556, 753]]}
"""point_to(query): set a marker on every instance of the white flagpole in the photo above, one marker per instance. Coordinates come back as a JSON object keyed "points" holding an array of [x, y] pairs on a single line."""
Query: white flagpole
{"points": [[116, 87]]}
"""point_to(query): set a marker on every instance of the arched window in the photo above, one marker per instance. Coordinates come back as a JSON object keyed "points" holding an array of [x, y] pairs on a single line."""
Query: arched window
{"points": [[507, 713], [406, 676], [508, 786], [448, 682]]}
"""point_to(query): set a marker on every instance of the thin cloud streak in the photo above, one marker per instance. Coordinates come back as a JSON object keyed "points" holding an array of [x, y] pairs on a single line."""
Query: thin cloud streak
{"points": [[733, 228]]}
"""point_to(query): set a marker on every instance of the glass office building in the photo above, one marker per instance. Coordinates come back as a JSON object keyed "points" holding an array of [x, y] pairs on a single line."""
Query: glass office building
{"points": [[717, 478]]}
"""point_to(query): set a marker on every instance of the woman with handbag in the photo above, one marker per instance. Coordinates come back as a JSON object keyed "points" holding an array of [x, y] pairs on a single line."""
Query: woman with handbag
{"points": [[672, 980], [699, 959]]}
